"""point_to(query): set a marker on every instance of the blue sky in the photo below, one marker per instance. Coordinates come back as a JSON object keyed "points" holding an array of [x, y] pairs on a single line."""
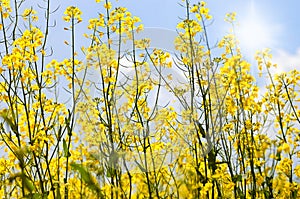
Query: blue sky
{"points": [[165, 13], [279, 18], [269, 23]]}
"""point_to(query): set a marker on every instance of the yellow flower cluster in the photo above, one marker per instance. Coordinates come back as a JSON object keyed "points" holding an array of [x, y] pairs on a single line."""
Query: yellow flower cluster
{"points": [[202, 12], [64, 68], [230, 17], [96, 22], [5, 8], [191, 27], [120, 136], [24, 49], [72, 13], [30, 14], [142, 43], [161, 58]]}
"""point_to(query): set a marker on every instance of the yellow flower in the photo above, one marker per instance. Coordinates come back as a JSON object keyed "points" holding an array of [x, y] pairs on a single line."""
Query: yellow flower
{"points": [[107, 5], [29, 13], [72, 12], [194, 9], [230, 17], [204, 11], [202, 3], [286, 147], [297, 171]]}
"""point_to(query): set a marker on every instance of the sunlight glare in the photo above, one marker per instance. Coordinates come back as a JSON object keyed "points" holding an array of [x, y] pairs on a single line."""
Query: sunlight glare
{"points": [[254, 32]]}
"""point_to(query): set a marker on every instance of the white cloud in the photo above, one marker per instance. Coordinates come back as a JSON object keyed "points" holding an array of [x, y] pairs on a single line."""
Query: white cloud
{"points": [[255, 31], [287, 61]]}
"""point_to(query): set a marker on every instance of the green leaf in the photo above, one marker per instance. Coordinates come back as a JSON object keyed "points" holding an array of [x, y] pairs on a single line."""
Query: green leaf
{"points": [[110, 172], [68, 123], [240, 193], [34, 196], [278, 156], [83, 172], [28, 184], [65, 147], [9, 121], [87, 178], [237, 178]]}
